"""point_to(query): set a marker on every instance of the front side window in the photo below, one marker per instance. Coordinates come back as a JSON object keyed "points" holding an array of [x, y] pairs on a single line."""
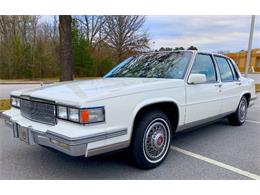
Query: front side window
{"points": [[203, 64], [224, 69], [154, 65]]}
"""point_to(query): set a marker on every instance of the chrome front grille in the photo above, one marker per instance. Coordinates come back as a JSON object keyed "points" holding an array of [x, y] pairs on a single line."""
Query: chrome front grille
{"points": [[38, 110]]}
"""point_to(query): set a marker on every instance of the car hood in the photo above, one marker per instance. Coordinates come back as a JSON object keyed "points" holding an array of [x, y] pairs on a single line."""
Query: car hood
{"points": [[80, 92]]}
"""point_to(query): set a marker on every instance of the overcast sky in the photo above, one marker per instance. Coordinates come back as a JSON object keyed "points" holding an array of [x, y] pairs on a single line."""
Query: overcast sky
{"points": [[209, 33]]}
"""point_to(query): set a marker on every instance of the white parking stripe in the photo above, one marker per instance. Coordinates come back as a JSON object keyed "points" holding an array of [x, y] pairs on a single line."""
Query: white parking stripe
{"points": [[250, 121], [217, 163]]}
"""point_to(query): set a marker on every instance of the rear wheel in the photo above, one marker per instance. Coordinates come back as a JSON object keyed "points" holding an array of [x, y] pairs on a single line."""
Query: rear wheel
{"points": [[151, 139], [239, 117]]}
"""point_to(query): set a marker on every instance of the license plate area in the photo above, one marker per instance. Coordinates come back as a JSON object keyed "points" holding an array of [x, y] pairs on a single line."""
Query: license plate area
{"points": [[23, 133]]}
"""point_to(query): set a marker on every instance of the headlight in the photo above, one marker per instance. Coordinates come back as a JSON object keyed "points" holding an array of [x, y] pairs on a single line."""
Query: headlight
{"points": [[73, 114], [15, 101], [80, 115], [62, 112]]}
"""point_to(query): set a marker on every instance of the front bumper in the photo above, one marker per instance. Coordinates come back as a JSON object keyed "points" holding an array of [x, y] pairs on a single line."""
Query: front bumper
{"points": [[72, 146]]}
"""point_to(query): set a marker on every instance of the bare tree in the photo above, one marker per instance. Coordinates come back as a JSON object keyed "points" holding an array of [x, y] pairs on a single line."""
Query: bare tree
{"points": [[125, 34], [55, 33], [91, 27], [33, 48], [65, 47], [4, 49]]}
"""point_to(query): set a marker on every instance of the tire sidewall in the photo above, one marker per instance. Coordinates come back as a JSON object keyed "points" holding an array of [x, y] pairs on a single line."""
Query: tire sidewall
{"points": [[243, 99], [168, 139], [139, 134]]}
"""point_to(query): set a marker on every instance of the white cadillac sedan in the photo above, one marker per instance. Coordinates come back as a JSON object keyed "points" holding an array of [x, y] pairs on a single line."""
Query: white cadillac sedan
{"points": [[138, 105]]}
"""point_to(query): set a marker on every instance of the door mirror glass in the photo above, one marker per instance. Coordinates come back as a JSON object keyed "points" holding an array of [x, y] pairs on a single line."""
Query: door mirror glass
{"points": [[196, 78]]}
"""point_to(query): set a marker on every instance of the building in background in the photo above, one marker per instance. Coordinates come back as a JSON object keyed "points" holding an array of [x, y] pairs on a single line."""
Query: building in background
{"points": [[240, 59]]}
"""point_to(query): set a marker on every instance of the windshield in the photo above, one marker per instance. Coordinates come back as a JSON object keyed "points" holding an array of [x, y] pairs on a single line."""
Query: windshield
{"points": [[154, 65]]}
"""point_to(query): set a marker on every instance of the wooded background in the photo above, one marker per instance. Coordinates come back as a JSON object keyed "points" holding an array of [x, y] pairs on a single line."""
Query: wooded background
{"points": [[69, 46], [30, 45]]}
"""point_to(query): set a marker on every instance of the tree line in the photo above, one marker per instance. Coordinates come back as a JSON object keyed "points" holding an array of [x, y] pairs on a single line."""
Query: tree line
{"points": [[69, 46], [31, 47], [28, 48], [177, 48]]}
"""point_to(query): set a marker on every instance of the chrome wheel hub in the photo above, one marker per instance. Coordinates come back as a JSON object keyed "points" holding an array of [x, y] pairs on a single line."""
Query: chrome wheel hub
{"points": [[156, 140], [242, 110]]}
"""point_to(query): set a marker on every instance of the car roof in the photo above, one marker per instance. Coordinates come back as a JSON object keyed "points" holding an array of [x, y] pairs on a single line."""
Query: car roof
{"points": [[192, 51]]}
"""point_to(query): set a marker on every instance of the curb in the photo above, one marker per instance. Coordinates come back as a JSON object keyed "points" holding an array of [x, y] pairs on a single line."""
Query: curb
{"points": [[9, 82], [3, 82], [22, 83]]}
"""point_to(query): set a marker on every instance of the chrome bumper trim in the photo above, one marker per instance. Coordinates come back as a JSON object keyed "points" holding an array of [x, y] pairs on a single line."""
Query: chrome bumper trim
{"points": [[109, 148], [76, 146], [10, 123], [76, 150], [67, 145], [86, 139], [4, 116]]}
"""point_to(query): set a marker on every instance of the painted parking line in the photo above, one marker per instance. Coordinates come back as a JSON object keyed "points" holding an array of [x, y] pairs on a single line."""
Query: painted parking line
{"points": [[251, 121], [217, 163]]}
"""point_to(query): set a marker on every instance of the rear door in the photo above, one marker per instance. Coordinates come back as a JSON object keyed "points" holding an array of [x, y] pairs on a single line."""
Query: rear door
{"points": [[203, 100], [231, 85]]}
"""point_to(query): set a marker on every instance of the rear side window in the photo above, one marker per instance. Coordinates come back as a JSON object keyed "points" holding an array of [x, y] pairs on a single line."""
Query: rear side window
{"points": [[204, 65], [235, 73], [226, 73]]}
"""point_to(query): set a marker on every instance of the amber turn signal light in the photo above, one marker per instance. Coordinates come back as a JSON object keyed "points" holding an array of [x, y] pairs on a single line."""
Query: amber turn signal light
{"points": [[84, 116]]}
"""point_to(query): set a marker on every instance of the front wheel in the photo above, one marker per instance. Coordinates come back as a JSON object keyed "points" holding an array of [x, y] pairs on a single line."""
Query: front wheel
{"points": [[239, 117], [151, 139]]}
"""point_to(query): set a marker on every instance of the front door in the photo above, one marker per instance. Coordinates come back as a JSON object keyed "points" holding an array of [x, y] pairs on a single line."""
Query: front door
{"points": [[203, 100]]}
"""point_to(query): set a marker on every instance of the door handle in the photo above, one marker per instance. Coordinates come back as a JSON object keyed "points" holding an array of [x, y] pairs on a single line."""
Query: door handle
{"points": [[239, 83], [218, 85]]}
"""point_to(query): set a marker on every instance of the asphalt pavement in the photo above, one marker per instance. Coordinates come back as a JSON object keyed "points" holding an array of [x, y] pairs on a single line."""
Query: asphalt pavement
{"points": [[236, 150]]}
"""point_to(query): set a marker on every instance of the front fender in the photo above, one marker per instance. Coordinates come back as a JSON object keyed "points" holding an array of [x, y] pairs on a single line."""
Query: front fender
{"points": [[151, 101]]}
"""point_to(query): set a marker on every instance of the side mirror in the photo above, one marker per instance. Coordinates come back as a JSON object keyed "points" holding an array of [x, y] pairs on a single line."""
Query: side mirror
{"points": [[196, 78]]}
